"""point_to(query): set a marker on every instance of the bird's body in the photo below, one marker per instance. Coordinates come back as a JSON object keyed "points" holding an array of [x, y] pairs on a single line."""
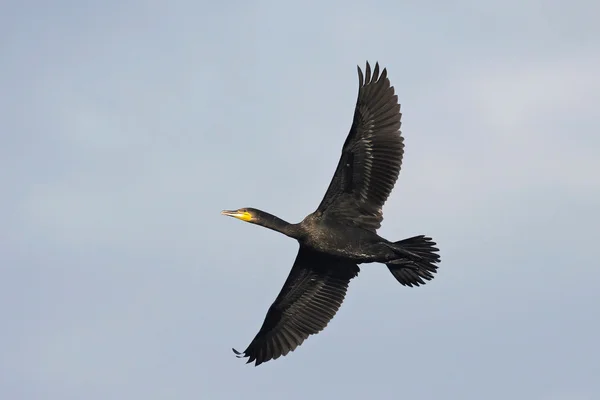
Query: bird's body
{"points": [[342, 232], [330, 236]]}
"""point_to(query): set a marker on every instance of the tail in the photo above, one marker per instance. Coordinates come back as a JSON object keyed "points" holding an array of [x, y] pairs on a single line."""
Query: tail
{"points": [[417, 262]]}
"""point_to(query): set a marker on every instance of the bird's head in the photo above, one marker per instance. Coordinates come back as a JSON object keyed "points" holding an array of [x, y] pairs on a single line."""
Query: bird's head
{"points": [[261, 218], [245, 214]]}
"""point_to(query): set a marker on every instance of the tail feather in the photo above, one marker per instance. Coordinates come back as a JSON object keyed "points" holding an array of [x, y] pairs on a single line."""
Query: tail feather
{"points": [[417, 263]]}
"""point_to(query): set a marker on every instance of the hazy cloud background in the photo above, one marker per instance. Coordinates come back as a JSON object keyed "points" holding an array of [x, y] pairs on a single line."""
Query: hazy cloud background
{"points": [[125, 127]]}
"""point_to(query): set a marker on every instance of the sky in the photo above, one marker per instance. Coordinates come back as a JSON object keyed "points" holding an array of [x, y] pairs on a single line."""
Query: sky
{"points": [[127, 126]]}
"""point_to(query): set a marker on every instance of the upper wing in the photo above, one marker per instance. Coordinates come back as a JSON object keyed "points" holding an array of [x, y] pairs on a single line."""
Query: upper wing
{"points": [[310, 297], [371, 156]]}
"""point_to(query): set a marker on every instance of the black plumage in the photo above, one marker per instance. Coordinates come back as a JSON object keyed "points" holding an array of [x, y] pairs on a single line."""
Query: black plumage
{"points": [[341, 233]]}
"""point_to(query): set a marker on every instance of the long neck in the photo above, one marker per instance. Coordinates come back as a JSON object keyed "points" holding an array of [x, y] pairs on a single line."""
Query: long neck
{"points": [[277, 224]]}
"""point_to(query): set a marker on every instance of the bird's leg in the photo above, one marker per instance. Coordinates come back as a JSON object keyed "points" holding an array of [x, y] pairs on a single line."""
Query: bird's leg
{"points": [[404, 263], [407, 255]]}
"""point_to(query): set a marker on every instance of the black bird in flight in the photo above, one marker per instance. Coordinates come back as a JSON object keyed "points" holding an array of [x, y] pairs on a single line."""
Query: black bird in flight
{"points": [[342, 232]]}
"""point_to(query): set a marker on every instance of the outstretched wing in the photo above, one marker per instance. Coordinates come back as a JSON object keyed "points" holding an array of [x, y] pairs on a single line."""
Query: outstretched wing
{"points": [[309, 299], [371, 156]]}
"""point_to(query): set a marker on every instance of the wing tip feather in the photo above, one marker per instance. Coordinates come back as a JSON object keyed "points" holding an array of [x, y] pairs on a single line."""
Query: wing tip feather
{"points": [[371, 75], [237, 353], [361, 78]]}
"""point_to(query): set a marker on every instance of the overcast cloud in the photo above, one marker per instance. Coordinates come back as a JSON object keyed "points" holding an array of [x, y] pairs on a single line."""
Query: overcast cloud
{"points": [[125, 127]]}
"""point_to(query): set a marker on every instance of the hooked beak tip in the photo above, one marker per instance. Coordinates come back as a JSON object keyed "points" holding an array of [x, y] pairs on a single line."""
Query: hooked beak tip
{"points": [[243, 215], [229, 213]]}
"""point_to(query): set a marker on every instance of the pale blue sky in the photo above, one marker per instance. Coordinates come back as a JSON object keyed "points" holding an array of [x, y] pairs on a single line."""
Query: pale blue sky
{"points": [[125, 127]]}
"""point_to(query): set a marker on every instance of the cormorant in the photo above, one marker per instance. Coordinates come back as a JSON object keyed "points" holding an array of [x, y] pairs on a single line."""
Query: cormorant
{"points": [[341, 233]]}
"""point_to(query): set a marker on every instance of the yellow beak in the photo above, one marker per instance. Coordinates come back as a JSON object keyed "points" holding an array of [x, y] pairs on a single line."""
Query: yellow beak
{"points": [[243, 215]]}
